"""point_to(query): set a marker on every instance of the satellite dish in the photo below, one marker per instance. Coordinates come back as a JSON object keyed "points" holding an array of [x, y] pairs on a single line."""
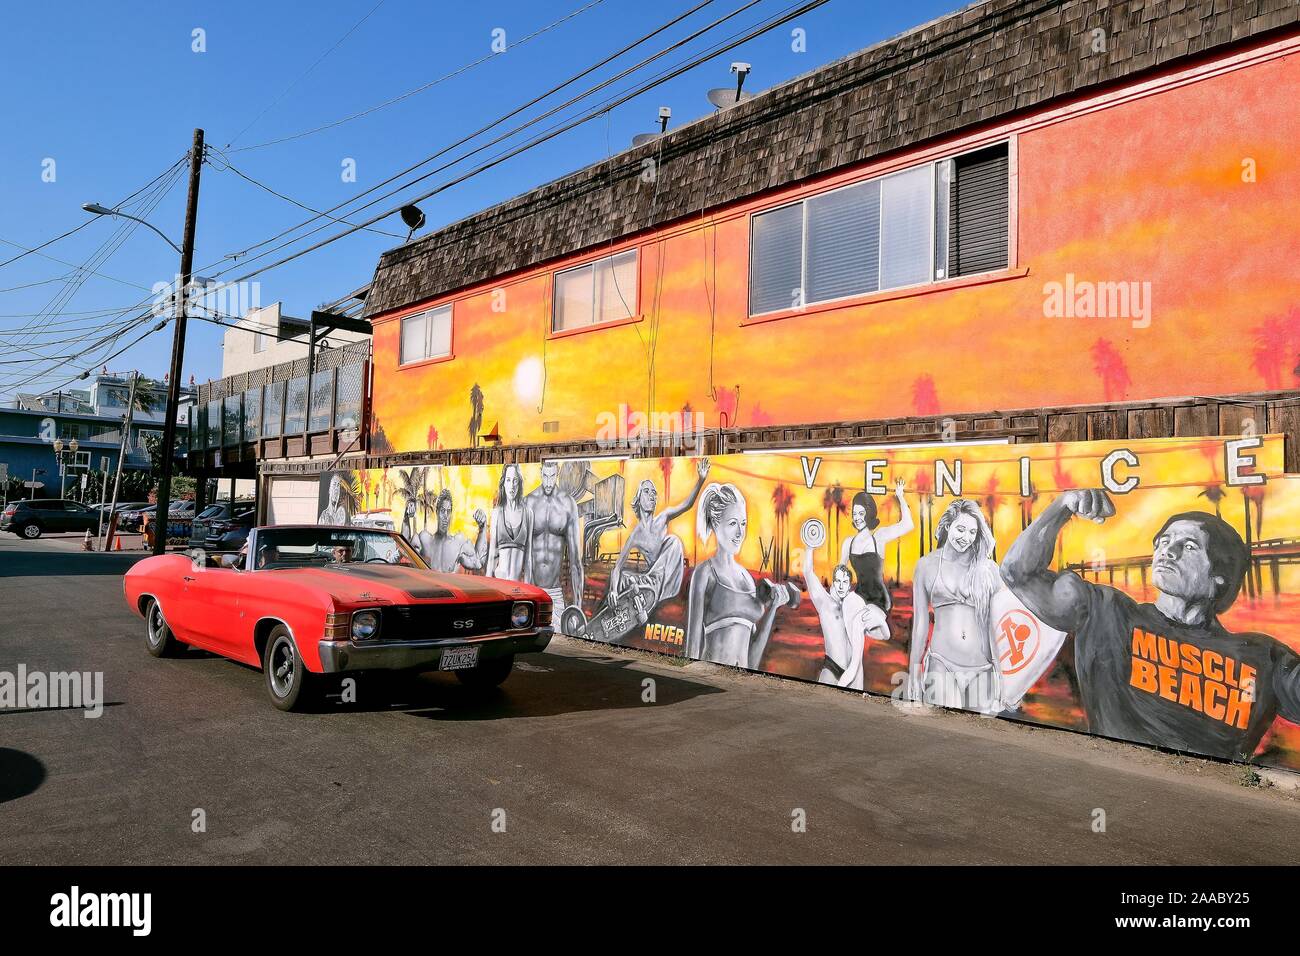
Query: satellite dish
{"points": [[725, 96], [640, 139], [412, 216]]}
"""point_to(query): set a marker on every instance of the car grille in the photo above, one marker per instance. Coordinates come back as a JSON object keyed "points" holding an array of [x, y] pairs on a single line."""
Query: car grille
{"points": [[427, 622]]}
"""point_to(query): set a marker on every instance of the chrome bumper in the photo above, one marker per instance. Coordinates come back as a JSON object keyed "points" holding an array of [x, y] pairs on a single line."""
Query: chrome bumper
{"points": [[339, 656]]}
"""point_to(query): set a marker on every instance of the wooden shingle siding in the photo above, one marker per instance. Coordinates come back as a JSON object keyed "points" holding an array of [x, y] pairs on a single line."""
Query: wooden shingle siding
{"points": [[982, 63]]}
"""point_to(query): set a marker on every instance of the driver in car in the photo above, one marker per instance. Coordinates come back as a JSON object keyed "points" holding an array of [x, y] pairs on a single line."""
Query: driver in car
{"points": [[342, 553]]}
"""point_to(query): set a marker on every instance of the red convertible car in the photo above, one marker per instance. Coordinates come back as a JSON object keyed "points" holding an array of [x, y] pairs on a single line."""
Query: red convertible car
{"points": [[300, 601]]}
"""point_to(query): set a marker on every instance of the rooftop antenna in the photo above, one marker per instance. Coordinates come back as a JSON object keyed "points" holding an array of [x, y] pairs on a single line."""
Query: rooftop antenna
{"points": [[665, 114], [413, 217], [725, 96]]}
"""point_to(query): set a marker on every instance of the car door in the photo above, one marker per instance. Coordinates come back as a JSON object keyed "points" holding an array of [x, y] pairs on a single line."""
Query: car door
{"points": [[55, 516], [211, 599], [79, 517]]}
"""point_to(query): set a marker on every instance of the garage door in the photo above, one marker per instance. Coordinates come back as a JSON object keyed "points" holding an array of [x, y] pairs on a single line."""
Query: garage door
{"points": [[293, 501]]}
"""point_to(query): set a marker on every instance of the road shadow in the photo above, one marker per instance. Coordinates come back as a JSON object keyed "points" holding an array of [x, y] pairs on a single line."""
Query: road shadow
{"points": [[541, 686], [20, 774], [17, 563]]}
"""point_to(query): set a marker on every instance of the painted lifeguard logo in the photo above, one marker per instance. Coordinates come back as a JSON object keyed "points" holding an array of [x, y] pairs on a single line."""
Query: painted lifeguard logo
{"points": [[1018, 641]]}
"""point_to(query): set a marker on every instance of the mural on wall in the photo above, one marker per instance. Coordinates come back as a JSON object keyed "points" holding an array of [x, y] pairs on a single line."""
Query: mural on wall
{"points": [[1145, 590]]}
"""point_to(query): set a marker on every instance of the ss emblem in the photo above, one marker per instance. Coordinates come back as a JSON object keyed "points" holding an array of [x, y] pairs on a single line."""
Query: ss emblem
{"points": [[468, 622]]}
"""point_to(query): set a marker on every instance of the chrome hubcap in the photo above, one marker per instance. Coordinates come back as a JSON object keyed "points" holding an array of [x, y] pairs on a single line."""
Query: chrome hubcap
{"points": [[281, 667], [156, 625]]}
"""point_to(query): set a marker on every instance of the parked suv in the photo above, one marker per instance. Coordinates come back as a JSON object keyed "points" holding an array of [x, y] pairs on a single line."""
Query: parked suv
{"points": [[33, 518], [229, 534], [217, 511]]}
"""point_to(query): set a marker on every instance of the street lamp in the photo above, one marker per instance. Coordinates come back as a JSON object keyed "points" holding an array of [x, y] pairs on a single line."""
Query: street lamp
{"points": [[98, 210], [72, 446], [186, 250]]}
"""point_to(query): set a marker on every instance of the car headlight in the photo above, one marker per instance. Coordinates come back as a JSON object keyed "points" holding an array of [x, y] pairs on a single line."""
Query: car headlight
{"points": [[365, 625], [521, 615]]}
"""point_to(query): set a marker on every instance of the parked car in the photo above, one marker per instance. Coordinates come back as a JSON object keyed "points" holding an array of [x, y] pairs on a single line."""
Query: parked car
{"points": [[131, 519], [317, 599], [229, 534], [217, 511], [33, 518]]}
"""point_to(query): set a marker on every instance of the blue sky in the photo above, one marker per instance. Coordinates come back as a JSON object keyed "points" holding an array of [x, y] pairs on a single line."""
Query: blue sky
{"points": [[111, 92]]}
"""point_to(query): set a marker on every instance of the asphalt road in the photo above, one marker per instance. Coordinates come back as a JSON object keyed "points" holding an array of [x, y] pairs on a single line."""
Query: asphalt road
{"points": [[567, 754]]}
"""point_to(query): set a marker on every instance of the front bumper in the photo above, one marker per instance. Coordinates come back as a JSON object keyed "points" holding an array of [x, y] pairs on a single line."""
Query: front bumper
{"points": [[339, 656]]}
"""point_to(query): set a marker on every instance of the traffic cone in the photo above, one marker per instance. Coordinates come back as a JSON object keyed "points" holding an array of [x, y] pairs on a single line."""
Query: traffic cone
{"points": [[85, 545], [119, 544]]}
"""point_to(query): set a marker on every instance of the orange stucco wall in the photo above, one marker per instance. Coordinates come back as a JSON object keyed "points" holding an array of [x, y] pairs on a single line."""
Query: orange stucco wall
{"points": [[1139, 185]]}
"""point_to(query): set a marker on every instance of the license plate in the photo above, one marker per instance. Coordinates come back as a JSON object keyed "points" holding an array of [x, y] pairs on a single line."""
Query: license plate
{"points": [[459, 658]]}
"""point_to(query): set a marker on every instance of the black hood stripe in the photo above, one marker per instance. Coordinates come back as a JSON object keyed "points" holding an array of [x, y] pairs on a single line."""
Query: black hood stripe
{"points": [[420, 584]]}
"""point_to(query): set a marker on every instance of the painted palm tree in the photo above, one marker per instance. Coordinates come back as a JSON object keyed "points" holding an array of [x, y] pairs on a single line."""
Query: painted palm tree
{"points": [[1214, 494], [841, 508], [782, 498], [666, 469], [353, 493], [475, 414], [410, 487]]}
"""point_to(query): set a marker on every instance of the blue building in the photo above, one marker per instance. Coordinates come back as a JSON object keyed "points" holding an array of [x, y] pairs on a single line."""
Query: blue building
{"points": [[93, 417]]}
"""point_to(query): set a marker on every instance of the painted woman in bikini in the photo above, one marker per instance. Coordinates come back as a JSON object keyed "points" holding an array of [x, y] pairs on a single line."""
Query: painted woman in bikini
{"points": [[729, 618], [957, 665], [865, 551], [510, 530]]}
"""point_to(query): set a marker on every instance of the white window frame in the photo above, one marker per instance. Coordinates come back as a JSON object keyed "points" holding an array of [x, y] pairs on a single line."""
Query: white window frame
{"points": [[633, 306], [426, 355], [880, 251]]}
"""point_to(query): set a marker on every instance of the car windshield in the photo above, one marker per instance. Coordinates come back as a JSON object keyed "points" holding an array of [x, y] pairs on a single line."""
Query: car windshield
{"points": [[320, 547]]}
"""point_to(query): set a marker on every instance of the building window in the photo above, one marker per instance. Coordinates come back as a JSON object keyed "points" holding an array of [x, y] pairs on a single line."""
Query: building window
{"points": [[426, 335], [919, 225], [80, 459], [260, 338], [601, 291]]}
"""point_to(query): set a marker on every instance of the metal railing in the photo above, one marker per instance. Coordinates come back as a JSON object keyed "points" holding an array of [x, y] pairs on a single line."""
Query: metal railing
{"points": [[282, 409]]}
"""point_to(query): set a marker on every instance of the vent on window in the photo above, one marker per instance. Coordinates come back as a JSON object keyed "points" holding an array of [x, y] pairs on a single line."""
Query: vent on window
{"points": [[550, 427], [977, 212]]}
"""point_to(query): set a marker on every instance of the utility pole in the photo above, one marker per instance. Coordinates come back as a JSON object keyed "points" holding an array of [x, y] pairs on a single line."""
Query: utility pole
{"points": [[178, 350], [121, 454]]}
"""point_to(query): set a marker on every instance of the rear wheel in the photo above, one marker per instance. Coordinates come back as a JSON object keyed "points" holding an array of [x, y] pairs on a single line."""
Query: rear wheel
{"points": [[31, 531], [288, 682], [489, 674], [157, 635]]}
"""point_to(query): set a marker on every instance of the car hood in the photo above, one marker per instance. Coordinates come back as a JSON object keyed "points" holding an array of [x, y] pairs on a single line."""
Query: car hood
{"points": [[394, 584]]}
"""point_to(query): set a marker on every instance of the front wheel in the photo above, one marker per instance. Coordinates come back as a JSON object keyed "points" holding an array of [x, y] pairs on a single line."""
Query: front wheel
{"points": [[288, 682], [157, 635], [31, 531], [489, 674]]}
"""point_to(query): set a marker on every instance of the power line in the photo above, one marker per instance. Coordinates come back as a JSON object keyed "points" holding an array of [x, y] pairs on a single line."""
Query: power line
{"points": [[580, 120], [227, 165], [320, 59], [49, 242], [427, 86], [470, 136], [99, 256]]}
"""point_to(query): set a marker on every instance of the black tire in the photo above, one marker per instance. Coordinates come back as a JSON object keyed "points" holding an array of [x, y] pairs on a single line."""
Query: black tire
{"points": [[30, 531], [489, 674], [288, 682], [158, 640]]}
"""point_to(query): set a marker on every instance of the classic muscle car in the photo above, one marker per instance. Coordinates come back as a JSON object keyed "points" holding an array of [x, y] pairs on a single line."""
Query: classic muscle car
{"points": [[300, 601]]}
